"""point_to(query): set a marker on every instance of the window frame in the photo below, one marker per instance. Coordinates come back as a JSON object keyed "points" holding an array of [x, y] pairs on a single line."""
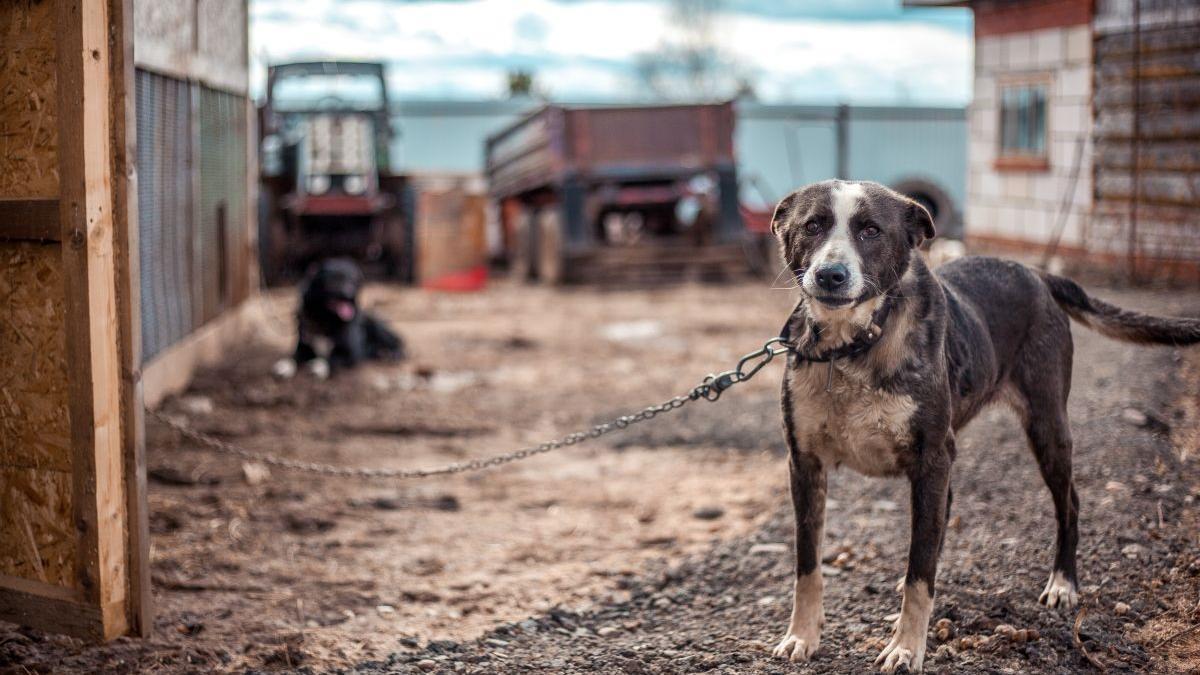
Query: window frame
{"points": [[1012, 159]]}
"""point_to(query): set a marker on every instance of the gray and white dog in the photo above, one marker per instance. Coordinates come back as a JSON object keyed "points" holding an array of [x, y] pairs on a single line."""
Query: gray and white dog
{"points": [[901, 358]]}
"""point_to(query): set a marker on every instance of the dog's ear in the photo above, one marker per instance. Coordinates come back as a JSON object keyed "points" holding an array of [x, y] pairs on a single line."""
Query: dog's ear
{"points": [[918, 223], [782, 211]]}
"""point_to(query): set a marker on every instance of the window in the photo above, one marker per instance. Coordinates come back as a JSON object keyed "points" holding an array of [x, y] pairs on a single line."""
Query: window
{"points": [[1022, 127]]}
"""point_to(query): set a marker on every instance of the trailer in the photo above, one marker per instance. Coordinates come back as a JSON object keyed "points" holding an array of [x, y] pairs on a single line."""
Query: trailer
{"points": [[327, 188], [618, 193]]}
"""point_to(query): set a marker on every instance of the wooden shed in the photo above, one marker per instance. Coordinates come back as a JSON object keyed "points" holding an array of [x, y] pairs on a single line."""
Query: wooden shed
{"points": [[109, 110]]}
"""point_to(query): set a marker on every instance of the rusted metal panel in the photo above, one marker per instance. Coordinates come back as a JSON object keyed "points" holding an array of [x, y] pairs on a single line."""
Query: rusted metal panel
{"points": [[1120, 16], [1156, 121], [1154, 187], [1169, 39], [1176, 91], [540, 150], [1166, 155], [1147, 132], [685, 136], [1154, 65], [525, 153]]}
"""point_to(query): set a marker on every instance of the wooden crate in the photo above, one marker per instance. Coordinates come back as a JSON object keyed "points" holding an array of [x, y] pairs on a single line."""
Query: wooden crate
{"points": [[451, 238]]}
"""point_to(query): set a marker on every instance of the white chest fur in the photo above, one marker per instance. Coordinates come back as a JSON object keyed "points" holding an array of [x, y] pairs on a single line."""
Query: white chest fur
{"points": [[852, 424]]}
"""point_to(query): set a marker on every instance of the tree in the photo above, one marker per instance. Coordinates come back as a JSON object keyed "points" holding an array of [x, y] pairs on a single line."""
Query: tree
{"points": [[689, 62], [521, 82]]}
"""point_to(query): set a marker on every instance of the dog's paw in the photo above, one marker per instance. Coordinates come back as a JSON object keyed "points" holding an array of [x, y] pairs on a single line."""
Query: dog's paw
{"points": [[1059, 592], [797, 648], [319, 368], [284, 369], [904, 654]]}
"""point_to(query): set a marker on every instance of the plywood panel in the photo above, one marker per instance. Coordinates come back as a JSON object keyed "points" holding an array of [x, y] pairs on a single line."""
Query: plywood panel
{"points": [[35, 442], [28, 121]]}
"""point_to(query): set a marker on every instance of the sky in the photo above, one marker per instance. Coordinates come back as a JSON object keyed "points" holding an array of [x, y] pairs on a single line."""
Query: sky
{"points": [[792, 51]]}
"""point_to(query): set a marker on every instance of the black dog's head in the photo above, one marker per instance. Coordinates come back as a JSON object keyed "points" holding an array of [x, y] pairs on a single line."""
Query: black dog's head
{"points": [[331, 291], [847, 242]]}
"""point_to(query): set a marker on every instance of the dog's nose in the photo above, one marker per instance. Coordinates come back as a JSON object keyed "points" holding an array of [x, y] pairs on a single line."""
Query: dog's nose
{"points": [[832, 277]]}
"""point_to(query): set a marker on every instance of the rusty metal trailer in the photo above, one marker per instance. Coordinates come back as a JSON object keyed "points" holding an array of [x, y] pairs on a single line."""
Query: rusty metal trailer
{"points": [[618, 193]]}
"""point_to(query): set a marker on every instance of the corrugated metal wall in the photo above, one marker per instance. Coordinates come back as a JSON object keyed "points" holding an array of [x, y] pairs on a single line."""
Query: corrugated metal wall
{"points": [[164, 123], [192, 192], [222, 204], [1147, 134]]}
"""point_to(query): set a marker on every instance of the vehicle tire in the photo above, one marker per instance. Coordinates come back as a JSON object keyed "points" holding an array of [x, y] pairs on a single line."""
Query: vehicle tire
{"points": [[946, 219], [549, 246], [521, 264]]}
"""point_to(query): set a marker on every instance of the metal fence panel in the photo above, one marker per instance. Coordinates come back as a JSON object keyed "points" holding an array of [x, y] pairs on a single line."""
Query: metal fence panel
{"points": [[164, 118], [221, 224]]}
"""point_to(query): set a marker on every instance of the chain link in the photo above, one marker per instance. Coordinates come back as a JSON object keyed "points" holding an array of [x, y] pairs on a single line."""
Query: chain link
{"points": [[710, 390]]}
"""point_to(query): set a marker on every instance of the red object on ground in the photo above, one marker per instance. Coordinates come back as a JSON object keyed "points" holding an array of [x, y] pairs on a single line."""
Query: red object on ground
{"points": [[756, 221], [473, 279]]}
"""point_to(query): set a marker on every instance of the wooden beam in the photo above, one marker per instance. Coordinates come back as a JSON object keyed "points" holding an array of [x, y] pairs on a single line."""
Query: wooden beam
{"points": [[30, 219], [85, 152], [129, 308], [48, 607]]}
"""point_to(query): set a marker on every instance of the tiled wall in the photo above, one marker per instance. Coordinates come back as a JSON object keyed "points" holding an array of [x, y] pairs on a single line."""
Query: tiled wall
{"points": [[1024, 205]]}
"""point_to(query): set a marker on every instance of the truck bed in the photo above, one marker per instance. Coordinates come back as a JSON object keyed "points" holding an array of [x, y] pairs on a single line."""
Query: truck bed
{"points": [[647, 142]]}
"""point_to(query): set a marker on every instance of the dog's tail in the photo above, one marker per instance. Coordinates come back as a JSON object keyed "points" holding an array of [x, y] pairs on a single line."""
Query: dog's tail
{"points": [[1118, 323]]}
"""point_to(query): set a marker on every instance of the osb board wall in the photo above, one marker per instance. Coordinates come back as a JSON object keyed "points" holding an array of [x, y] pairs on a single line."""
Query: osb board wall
{"points": [[28, 120], [35, 442]]}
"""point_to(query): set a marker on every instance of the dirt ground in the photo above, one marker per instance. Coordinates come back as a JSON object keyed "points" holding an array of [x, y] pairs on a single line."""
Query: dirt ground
{"points": [[664, 548]]}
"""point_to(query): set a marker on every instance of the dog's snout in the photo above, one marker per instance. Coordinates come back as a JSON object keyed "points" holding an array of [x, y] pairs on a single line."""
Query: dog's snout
{"points": [[832, 277]]}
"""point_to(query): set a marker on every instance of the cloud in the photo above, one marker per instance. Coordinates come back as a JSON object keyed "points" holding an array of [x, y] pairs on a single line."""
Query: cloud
{"points": [[798, 50], [531, 28]]}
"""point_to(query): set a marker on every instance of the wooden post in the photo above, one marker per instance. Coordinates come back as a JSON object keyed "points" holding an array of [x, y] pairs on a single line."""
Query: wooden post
{"points": [[85, 152], [129, 304]]}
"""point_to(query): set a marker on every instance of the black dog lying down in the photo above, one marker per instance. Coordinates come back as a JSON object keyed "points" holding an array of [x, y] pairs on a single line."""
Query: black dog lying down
{"points": [[333, 332]]}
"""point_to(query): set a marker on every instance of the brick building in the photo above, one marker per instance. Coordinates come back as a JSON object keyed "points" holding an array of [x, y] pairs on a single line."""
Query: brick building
{"points": [[1085, 132]]}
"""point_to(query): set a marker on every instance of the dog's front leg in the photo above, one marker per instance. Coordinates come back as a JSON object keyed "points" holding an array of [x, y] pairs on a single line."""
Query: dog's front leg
{"points": [[930, 478], [808, 498]]}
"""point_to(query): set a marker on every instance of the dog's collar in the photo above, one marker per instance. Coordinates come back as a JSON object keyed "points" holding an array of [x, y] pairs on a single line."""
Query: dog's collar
{"points": [[861, 344]]}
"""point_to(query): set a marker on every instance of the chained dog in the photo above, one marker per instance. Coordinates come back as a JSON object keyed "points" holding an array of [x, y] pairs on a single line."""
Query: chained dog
{"points": [[890, 360], [333, 332]]}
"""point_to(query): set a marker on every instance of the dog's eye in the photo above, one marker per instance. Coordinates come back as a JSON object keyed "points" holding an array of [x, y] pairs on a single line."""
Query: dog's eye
{"points": [[811, 227], [868, 232]]}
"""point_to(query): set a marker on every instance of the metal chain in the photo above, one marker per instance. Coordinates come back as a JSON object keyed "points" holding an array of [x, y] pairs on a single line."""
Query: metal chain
{"points": [[710, 390]]}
